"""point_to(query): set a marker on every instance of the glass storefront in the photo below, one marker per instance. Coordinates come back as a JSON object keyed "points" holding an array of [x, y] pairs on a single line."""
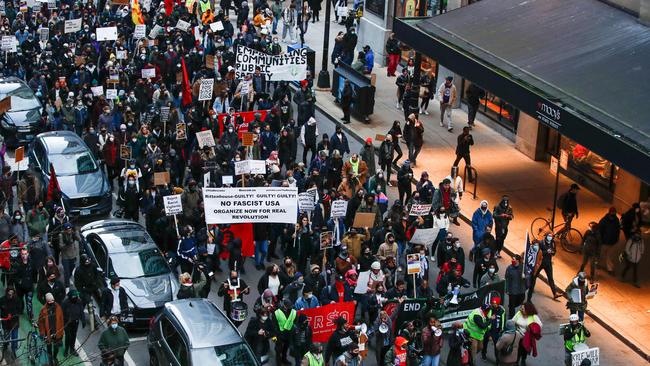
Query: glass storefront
{"points": [[376, 7], [589, 165], [495, 108]]}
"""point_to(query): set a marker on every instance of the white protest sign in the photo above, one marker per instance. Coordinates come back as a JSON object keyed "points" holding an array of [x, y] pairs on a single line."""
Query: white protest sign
{"points": [[9, 43], [216, 26], [97, 90], [205, 138], [173, 205], [250, 205], [206, 179], [205, 90], [424, 236], [44, 34], [227, 179], [72, 26], [111, 94], [155, 31], [342, 11], [339, 208], [593, 354], [183, 25], [306, 202], [120, 55], [106, 34], [140, 31], [362, 283], [419, 210], [241, 167], [148, 73], [257, 166], [290, 66]]}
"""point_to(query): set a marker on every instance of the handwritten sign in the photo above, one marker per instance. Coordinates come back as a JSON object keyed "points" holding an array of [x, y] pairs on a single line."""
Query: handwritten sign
{"points": [[72, 26], [205, 138], [148, 73], [106, 34], [173, 205], [161, 178], [247, 139], [420, 210], [97, 90], [216, 26], [339, 208], [205, 90], [111, 94], [140, 31]]}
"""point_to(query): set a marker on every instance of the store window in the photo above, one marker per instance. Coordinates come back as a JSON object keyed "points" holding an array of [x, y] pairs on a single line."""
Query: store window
{"points": [[376, 7], [428, 64], [495, 108], [589, 165]]}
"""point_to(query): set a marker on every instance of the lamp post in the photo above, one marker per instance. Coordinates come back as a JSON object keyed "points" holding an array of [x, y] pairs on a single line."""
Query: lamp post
{"points": [[324, 75]]}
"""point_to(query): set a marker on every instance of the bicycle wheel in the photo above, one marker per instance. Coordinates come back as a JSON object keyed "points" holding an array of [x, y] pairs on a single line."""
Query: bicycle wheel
{"points": [[572, 241], [539, 227], [32, 347]]}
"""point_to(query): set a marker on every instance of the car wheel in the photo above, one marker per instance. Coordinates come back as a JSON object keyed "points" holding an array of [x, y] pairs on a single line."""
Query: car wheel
{"points": [[153, 361]]}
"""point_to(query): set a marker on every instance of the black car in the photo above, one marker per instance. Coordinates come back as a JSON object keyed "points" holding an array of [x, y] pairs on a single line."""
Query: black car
{"points": [[22, 122], [193, 332], [84, 186], [123, 248]]}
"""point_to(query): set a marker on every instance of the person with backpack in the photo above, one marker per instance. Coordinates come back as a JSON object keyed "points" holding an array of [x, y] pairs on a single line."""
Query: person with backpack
{"points": [[508, 345]]}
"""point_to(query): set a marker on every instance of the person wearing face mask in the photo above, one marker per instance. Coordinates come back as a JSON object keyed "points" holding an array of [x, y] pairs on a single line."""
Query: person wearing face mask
{"points": [[114, 301], [301, 338], [131, 171], [503, 214], [314, 357], [397, 355], [51, 327], [25, 279], [432, 340], [497, 318], [575, 333], [53, 286], [547, 249], [73, 313], [114, 340], [258, 332], [86, 279], [482, 266], [109, 155], [11, 306], [307, 300], [481, 218], [18, 226], [129, 199], [577, 295], [515, 285], [282, 320], [232, 290]]}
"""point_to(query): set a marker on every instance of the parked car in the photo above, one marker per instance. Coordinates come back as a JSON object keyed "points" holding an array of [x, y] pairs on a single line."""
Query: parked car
{"points": [[123, 248], [195, 332], [84, 186], [22, 122]]}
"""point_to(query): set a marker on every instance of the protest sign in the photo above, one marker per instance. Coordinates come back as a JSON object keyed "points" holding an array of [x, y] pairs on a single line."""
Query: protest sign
{"points": [[226, 179], [19, 154], [250, 167], [120, 55], [72, 26], [413, 263], [148, 73], [125, 152], [155, 31], [216, 26], [424, 236], [180, 131], [419, 209], [339, 208], [247, 117], [250, 205], [5, 104], [321, 321], [164, 114], [325, 240], [197, 33], [364, 219], [183, 25], [593, 354], [51, 4], [530, 257], [205, 90], [97, 90], [111, 94], [173, 204], [306, 202], [9, 43], [362, 283], [161, 178], [106, 34], [290, 66], [2, 8], [140, 31], [44, 34], [470, 301], [206, 179], [248, 139], [205, 138]]}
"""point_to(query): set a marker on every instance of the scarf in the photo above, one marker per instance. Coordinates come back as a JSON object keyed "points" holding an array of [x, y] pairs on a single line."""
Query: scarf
{"points": [[355, 166]]}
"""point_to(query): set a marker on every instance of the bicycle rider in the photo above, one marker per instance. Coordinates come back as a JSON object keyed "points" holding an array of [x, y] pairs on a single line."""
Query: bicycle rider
{"points": [[568, 203]]}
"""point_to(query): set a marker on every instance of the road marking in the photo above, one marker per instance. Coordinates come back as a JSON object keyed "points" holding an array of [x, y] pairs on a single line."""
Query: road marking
{"points": [[138, 339], [128, 360], [82, 354]]}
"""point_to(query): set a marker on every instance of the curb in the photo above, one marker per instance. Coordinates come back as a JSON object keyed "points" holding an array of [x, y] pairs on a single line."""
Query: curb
{"points": [[468, 221]]}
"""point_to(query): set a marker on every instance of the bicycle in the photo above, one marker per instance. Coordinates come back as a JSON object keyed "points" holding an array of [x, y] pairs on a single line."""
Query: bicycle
{"points": [[570, 239], [36, 349]]}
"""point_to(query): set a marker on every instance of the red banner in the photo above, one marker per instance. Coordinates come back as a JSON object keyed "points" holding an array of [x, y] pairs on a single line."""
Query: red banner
{"points": [[321, 319], [245, 233], [246, 116]]}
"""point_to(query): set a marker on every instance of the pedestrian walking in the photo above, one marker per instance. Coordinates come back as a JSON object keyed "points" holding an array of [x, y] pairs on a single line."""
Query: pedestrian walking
{"points": [[609, 228], [51, 327], [464, 141], [394, 52], [474, 94], [502, 214], [577, 295], [73, 314], [346, 101], [634, 249], [114, 341], [508, 345], [548, 250], [515, 285], [447, 96], [401, 83], [591, 249]]}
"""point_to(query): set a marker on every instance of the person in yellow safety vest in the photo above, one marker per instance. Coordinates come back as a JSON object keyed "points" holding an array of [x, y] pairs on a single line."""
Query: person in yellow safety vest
{"points": [[314, 357], [574, 333], [283, 319], [477, 324], [204, 5]]}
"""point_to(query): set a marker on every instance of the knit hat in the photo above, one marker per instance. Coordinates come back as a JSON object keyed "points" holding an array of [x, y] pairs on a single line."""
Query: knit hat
{"points": [[369, 140], [49, 297], [313, 267], [375, 265]]}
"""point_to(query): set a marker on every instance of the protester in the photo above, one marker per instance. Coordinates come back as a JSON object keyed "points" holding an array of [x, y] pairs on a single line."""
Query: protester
{"points": [[114, 340]]}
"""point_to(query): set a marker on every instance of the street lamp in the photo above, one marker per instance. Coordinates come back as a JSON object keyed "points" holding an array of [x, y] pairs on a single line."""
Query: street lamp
{"points": [[324, 75]]}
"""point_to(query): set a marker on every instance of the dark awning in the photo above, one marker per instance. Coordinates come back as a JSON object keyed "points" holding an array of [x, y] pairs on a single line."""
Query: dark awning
{"points": [[579, 66]]}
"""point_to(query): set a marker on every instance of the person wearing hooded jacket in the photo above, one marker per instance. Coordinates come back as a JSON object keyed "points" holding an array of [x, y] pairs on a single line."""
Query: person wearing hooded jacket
{"points": [[481, 219], [301, 338], [258, 332], [404, 185], [308, 135], [397, 355], [340, 340], [502, 214]]}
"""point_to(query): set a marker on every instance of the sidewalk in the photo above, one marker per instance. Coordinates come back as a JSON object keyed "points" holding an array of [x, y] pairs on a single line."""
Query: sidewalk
{"points": [[620, 307]]}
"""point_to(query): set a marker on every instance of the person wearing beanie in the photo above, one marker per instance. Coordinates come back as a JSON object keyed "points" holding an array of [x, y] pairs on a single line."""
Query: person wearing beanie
{"points": [[367, 154], [51, 327], [73, 313], [314, 280], [307, 300], [497, 317], [577, 295], [481, 220], [508, 345], [477, 324]]}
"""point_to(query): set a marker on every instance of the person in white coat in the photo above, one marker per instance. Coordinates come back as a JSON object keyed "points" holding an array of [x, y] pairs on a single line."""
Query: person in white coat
{"points": [[634, 249], [440, 222]]}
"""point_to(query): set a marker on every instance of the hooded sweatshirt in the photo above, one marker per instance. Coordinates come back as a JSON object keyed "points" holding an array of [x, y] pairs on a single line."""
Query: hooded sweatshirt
{"points": [[309, 132]]}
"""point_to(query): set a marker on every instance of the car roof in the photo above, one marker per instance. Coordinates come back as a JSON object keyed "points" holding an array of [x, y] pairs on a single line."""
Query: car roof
{"points": [[105, 228], [10, 83], [204, 323], [62, 142]]}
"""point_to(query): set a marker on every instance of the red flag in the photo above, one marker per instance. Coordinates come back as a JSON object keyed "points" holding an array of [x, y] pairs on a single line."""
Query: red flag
{"points": [[53, 189], [169, 7], [243, 232], [186, 89], [321, 319]]}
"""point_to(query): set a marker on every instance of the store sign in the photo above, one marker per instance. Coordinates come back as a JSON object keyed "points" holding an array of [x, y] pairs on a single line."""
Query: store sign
{"points": [[549, 114]]}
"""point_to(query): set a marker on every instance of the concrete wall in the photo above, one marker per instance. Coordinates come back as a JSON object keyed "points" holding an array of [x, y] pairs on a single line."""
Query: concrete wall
{"points": [[529, 138], [627, 190], [374, 31], [632, 5]]}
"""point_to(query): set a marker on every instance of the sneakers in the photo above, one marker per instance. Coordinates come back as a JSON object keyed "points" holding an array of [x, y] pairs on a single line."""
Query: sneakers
{"points": [[397, 105], [441, 124], [425, 112], [450, 129], [389, 184]]}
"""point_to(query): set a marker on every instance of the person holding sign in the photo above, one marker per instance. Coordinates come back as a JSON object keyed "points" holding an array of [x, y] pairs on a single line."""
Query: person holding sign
{"points": [[574, 333]]}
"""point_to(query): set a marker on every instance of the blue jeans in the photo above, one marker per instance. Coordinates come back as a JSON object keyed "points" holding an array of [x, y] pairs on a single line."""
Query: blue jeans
{"points": [[401, 246], [274, 29], [430, 360], [68, 267], [261, 248]]}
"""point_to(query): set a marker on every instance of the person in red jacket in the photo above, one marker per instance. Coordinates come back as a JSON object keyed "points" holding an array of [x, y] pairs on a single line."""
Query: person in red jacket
{"points": [[396, 356], [7, 256], [109, 153]]}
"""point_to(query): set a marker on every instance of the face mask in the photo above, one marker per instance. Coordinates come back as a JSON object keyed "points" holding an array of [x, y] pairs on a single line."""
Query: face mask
{"points": [[237, 159], [264, 318], [114, 326], [131, 182], [491, 270], [310, 296], [549, 238]]}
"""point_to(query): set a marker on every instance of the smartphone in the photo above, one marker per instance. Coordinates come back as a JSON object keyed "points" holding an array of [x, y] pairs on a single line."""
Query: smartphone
{"points": [[210, 274]]}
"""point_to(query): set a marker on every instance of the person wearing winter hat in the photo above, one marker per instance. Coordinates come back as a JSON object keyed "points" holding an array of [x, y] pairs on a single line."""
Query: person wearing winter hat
{"points": [[481, 220], [282, 320], [51, 327], [497, 317], [477, 324]]}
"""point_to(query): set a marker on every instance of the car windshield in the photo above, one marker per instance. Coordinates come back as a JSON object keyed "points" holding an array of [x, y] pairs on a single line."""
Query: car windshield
{"points": [[145, 263], [73, 164], [237, 354], [22, 99]]}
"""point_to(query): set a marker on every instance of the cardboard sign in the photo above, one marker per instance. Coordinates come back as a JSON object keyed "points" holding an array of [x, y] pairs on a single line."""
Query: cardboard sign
{"points": [[140, 31], [161, 178], [250, 205], [148, 73], [183, 25], [205, 90], [325, 239], [111, 94], [248, 139], [173, 204], [379, 137], [593, 354], [72, 26], [339, 208], [97, 90], [364, 220], [5, 105], [125, 152], [20, 154], [413, 263], [181, 133], [120, 55], [420, 210], [216, 26], [205, 138], [424, 236], [306, 202], [106, 34]]}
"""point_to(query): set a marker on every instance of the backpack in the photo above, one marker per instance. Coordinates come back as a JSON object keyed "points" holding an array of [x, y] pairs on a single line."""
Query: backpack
{"points": [[508, 350]]}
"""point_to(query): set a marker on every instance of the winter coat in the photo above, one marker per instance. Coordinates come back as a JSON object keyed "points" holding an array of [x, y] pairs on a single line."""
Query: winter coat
{"points": [[480, 221], [114, 340], [634, 250], [515, 283], [504, 342], [45, 328], [259, 344], [367, 154], [609, 228], [386, 152], [340, 144]]}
